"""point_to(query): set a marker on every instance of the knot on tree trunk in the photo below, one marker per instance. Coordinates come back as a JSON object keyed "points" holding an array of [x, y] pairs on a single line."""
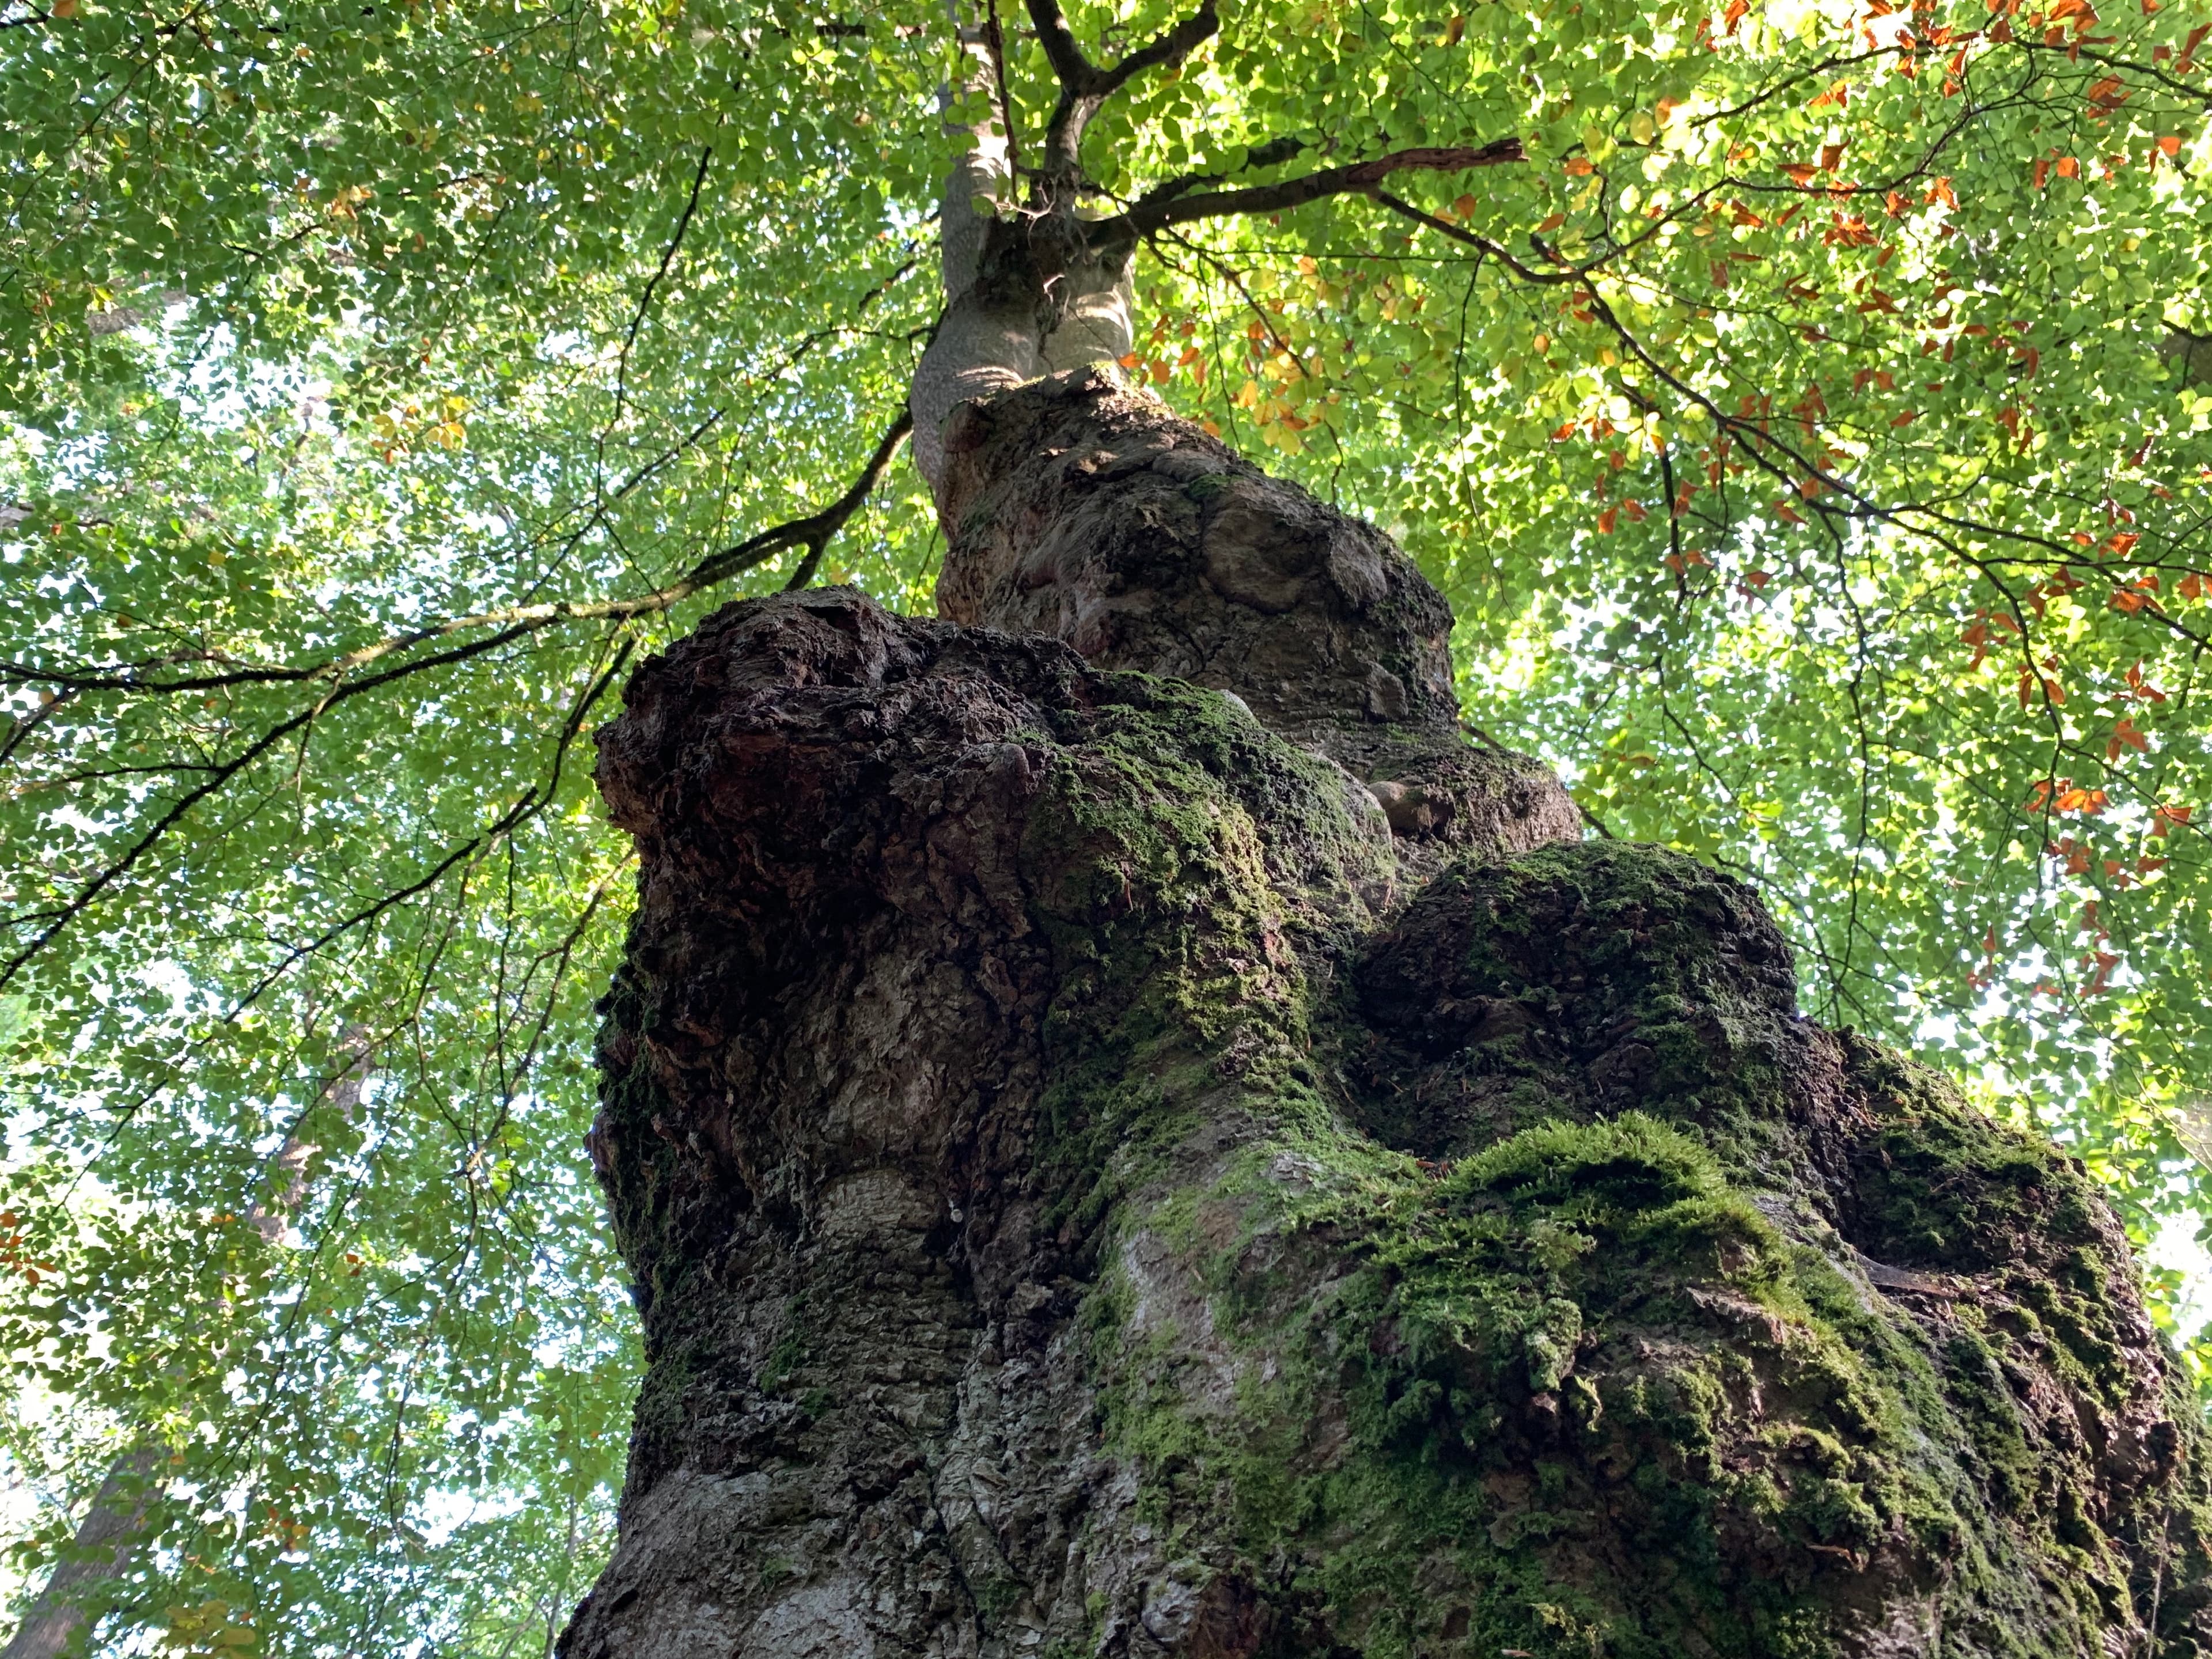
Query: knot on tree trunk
{"points": [[1080, 507]]}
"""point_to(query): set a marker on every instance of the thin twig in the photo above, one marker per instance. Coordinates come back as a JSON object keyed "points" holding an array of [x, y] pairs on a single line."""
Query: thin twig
{"points": [[645, 300], [814, 531]]}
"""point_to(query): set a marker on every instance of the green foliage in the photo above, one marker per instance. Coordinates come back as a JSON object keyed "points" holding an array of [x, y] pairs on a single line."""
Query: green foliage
{"points": [[1798, 431]]}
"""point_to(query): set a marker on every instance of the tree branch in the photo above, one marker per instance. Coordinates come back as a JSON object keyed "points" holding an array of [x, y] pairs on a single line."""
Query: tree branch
{"points": [[535, 801], [645, 300], [61, 915], [1084, 87], [1177, 44], [814, 532], [1780, 460], [1153, 213], [1445, 227], [1075, 72], [1272, 154], [826, 523]]}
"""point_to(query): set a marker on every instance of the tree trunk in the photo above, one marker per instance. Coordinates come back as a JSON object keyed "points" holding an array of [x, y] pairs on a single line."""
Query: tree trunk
{"points": [[1205, 1161], [77, 1590], [80, 1587]]}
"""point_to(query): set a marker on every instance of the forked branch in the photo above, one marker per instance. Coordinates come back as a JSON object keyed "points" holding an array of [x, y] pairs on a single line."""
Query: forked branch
{"points": [[813, 532], [1084, 86]]}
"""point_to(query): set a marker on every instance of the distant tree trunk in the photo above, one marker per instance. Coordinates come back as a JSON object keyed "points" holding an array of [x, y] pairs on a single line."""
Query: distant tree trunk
{"points": [[79, 1589], [1205, 1161], [76, 1592]]}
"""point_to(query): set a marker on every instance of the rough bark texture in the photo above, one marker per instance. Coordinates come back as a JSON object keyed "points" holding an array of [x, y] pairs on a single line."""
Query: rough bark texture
{"points": [[1099, 1180], [78, 1589]]}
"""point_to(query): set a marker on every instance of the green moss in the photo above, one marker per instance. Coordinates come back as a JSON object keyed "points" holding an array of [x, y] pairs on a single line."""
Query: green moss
{"points": [[1179, 855], [1593, 1334], [1631, 1176], [790, 1351]]}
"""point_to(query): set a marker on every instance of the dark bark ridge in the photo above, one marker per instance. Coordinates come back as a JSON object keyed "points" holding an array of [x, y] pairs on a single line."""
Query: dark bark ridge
{"points": [[1081, 508], [1093, 1189]]}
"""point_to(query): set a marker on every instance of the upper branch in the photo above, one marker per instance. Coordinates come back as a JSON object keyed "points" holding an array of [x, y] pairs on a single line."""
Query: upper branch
{"points": [[1781, 460], [813, 532], [1177, 44], [1272, 154], [667, 258], [1076, 73], [1160, 209], [1083, 86]]}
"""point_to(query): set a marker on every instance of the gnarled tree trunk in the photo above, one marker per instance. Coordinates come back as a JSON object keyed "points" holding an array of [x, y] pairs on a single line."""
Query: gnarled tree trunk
{"points": [[1134, 1138]]}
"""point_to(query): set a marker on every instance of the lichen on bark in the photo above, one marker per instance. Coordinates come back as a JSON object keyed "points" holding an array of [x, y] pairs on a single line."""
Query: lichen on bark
{"points": [[1133, 1137]]}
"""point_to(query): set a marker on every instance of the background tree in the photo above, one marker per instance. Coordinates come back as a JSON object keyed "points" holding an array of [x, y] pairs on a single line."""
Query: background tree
{"points": [[1787, 425]]}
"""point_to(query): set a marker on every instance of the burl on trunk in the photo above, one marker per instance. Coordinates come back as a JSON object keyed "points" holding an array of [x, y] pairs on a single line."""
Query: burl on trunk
{"points": [[1133, 1137]]}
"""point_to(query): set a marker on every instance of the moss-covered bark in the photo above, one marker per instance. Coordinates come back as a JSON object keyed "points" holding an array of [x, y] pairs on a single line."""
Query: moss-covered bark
{"points": [[1102, 1181]]}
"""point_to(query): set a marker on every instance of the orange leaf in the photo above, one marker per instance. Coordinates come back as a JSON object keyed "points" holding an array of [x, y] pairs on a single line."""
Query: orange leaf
{"points": [[1579, 166], [1551, 223], [1800, 172], [2171, 144], [2124, 735], [1605, 521], [1907, 418], [2031, 682], [2141, 687]]}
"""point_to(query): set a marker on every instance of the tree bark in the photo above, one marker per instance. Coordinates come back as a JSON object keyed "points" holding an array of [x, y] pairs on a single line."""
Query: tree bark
{"points": [[76, 1591], [1134, 1137]]}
